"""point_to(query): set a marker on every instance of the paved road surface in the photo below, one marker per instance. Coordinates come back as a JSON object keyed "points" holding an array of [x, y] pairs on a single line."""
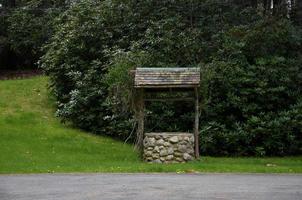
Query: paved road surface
{"points": [[150, 187]]}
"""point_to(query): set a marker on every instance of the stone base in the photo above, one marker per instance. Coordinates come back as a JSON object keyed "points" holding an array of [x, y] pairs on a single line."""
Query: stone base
{"points": [[168, 147]]}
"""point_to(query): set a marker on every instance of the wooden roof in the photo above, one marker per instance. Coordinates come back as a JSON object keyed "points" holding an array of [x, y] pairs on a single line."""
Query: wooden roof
{"points": [[166, 77]]}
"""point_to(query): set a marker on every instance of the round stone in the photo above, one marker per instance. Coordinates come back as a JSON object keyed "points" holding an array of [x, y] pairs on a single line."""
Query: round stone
{"points": [[156, 149], [163, 152], [177, 154], [157, 161], [155, 155], [182, 148], [187, 157], [173, 139], [149, 142], [170, 150], [160, 142], [148, 153], [169, 157], [167, 144]]}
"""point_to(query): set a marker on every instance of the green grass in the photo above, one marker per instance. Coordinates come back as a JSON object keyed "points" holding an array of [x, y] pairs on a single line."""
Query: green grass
{"points": [[32, 140]]}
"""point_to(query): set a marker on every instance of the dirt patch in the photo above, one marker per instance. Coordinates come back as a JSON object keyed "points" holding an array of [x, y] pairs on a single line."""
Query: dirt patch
{"points": [[18, 74]]}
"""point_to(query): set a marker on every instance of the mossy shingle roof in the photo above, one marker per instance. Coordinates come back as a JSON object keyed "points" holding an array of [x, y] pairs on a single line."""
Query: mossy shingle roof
{"points": [[166, 77]]}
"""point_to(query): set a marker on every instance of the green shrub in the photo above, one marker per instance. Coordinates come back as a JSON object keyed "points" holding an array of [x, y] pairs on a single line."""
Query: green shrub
{"points": [[82, 49], [29, 28], [171, 40], [251, 71], [4, 42], [77, 59], [252, 89]]}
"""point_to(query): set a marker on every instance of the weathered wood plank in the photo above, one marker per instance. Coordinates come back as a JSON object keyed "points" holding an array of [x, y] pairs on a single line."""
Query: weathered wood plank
{"points": [[140, 117], [167, 69], [165, 82], [158, 77], [165, 86], [196, 124]]}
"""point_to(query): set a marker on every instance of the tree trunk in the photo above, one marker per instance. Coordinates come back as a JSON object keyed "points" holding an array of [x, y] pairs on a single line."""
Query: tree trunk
{"points": [[246, 3], [140, 117], [280, 7], [196, 124], [267, 6], [9, 3], [12, 3], [254, 3], [298, 12]]}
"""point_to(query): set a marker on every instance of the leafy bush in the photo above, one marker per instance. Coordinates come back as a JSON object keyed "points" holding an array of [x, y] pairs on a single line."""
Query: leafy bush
{"points": [[251, 71], [25, 26], [4, 42], [77, 59], [171, 40], [82, 49], [252, 92], [29, 28]]}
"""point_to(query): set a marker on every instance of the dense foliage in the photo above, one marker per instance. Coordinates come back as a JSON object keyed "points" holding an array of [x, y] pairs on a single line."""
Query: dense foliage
{"points": [[76, 62], [92, 36], [251, 70], [4, 44], [25, 27], [252, 92]]}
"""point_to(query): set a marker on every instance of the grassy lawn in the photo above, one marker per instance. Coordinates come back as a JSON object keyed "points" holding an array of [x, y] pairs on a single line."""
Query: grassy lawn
{"points": [[32, 140]]}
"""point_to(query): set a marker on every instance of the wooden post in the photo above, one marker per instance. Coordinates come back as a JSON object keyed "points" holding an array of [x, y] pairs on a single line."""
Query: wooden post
{"points": [[140, 117], [196, 124]]}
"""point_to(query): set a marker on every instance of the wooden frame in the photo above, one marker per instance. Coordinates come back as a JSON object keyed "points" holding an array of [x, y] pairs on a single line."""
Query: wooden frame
{"points": [[144, 82]]}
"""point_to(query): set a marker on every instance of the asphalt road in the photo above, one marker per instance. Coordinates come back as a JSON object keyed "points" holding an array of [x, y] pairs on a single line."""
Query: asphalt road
{"points": [[150, 186]]}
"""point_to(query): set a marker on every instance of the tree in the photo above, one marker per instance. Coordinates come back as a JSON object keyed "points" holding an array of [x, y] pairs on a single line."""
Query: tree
{"points": [[297, 11], [8, 3]]}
